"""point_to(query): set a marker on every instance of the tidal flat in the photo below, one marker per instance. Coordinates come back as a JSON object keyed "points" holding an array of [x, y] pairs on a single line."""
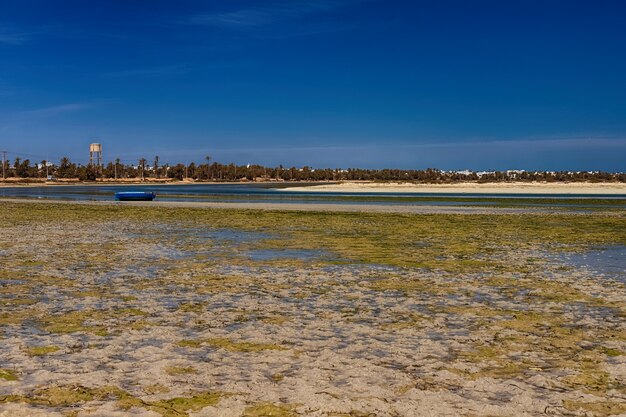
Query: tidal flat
{"points": [[162, 311]]}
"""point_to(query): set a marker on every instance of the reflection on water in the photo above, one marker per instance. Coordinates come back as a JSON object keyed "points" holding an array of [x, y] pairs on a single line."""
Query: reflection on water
{"points": [[609, 262]]}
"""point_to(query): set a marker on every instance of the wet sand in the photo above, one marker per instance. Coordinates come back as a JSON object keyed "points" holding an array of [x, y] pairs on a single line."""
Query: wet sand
{"points": [[111, 309], [304, 207]]}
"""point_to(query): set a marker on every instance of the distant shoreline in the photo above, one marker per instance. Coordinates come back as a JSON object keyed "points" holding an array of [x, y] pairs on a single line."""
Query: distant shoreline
{"points": [[470, 188], [71, 183], [370, 186]]}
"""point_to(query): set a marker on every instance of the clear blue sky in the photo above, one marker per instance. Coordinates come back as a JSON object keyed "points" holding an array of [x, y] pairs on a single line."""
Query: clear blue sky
{"points": [[330, 83]]}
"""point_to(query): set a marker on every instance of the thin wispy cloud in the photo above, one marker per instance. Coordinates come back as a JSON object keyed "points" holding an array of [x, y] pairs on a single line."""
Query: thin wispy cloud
{"points": [[19, 119], [595, 142], [13, 37], [53, 110], [158, 71], [263, 16], [240, 18]]}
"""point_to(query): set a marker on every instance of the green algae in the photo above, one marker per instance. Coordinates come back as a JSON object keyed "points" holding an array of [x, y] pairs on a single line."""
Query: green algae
{"points": [[180, 370], [183, 405], [15, 317], [527, 327], [67, 397], [612, 352], [277, 320], [270, 410], [404, 240], [192, 307], [526, 342], [229, 345], [8, 375], [597, 408], [277, 377], [42, 350], [18, 301], [407, 320], [190, 343], [92, 321], [407, 286], [156, 389]]}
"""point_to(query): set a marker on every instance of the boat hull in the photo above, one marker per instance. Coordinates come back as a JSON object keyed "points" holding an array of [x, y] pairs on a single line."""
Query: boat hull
{"points": [[134, 196]]}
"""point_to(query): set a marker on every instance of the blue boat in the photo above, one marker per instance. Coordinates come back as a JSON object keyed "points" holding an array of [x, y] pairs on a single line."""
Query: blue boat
{"points": [[135, 196]]}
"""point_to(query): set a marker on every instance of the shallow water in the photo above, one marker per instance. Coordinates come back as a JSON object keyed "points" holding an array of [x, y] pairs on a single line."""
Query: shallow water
{"points": [[231, 235], [276, 193], [609, 262], [275, 254], [7, 282]]}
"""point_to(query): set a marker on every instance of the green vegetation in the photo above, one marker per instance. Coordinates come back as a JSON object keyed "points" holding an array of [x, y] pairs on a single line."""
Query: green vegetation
{"points": [[42, 350], [227, 344], [180, 370], [458, 201], [68, 397], [477, 292], [23, 168], [8, 375], [270, 410], [598, 408], [455, 243], [183, 405], [93, 321]]}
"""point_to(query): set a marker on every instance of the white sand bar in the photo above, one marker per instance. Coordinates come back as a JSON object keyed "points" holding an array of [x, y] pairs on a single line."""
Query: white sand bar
{"points": [[471, 188]]}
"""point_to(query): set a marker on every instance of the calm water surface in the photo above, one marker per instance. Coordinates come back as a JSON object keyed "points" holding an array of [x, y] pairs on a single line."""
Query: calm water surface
{"points": [[609, 262], [276, 193]]}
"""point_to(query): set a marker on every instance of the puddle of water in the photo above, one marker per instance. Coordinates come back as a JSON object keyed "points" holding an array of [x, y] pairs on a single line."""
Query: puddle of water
{"points": [[7, 282], [608, 262], [165, 252], [274, 254], [233, 235]]}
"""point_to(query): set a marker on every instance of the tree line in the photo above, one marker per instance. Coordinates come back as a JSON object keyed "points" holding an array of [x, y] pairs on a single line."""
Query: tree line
{"points": [[214, 171]]}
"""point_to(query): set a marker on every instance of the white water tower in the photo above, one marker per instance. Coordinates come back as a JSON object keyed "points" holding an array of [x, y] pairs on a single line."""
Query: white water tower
{"points": [[95, 154]]}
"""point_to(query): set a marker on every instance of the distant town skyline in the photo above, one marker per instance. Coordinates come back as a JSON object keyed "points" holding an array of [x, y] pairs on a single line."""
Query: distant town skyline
{"points": [[484, 85]]}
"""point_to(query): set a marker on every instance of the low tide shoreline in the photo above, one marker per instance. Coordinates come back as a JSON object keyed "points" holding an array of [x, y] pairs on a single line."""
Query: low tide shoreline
{"points": [[300, 207], [613, 188], [390, 209], [135, 309], [470, 188]]}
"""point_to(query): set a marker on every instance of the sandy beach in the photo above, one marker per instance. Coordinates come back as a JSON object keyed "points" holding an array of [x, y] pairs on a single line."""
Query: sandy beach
{"points": [[166, 310], [470, 188]]}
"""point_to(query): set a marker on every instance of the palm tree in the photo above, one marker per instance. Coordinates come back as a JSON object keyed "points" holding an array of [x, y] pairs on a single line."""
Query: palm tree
{"points": [[208, 166], [142, 165]]}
